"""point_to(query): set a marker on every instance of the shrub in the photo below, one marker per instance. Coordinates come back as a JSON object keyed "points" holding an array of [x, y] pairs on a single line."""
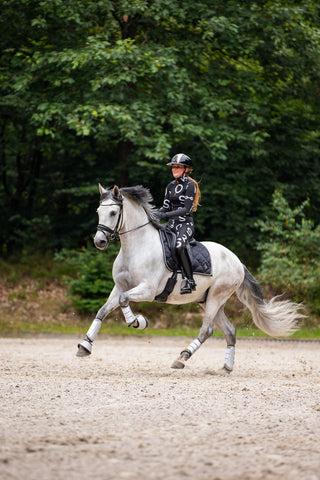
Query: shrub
{"points": [[291, 251], [92, 282]]}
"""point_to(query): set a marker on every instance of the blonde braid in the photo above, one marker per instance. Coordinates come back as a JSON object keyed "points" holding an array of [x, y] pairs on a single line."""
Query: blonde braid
{"points": [[197, 198]]}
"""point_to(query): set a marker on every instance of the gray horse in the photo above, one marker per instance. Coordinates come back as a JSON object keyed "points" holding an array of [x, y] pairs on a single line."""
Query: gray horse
{"points": [[140, 274]]}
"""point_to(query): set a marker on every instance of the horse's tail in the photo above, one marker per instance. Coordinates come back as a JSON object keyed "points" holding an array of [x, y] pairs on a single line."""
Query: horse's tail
{"points": [[276, 317]]}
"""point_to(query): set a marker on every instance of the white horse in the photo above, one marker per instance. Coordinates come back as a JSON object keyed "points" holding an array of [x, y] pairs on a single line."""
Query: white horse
{"points": [[140, 274]]}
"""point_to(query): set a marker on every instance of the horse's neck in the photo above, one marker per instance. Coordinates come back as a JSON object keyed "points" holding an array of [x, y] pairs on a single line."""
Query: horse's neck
{"points": [[138, 234], [133, 216]]}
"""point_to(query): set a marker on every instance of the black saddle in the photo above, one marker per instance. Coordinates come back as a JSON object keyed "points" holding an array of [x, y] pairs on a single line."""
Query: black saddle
{"points": [[198, 254]]}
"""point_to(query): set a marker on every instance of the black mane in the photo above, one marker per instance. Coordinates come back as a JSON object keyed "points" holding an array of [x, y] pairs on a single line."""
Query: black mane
{"points": [[140, 195]]}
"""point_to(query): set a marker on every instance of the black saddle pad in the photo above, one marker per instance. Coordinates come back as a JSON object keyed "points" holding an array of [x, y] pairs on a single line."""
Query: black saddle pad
{"points": [[199, 255]]}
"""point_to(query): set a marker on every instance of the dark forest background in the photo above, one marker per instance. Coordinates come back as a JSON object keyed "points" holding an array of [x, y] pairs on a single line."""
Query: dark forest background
{"points": [[108, 91]]}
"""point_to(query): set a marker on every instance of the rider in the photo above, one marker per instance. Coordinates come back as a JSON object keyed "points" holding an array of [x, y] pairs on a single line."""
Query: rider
{"points": [[181, 200]]}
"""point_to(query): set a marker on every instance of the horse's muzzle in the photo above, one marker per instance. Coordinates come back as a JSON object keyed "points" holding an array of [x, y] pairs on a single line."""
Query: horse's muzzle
{"points": [[101, 241]]}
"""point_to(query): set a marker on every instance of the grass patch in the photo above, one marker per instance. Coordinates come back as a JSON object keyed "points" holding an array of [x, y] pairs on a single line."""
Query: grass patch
{"points": [[122, 329]]}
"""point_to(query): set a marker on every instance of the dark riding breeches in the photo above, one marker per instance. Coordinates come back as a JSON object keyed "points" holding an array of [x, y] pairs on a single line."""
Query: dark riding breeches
{"points": [[184, 232]]}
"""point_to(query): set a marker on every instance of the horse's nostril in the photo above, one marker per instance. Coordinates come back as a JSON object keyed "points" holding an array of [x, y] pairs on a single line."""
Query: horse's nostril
{"points": [[101, 243]]}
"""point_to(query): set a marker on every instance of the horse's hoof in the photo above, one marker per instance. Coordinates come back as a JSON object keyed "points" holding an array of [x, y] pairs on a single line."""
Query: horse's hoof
{"points": [[82, 352], [177, 364], [140, 322]]}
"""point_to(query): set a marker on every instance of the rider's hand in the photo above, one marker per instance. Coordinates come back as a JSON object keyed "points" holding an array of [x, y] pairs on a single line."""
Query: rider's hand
{"points": [[161, 215]]}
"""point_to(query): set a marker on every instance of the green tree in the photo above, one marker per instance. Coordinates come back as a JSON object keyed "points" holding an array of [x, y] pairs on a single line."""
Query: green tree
{"points": [[108, 90], [291, 251]]}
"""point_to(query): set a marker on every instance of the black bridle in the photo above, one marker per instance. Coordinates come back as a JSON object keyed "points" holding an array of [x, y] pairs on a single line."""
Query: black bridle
{"points": [[115, 233]]}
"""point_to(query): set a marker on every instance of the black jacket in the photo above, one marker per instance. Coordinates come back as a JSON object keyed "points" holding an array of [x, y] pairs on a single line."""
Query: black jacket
{"points": [[178, 200]]}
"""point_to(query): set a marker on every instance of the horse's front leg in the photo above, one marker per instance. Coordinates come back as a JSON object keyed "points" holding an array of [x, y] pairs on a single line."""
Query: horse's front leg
{"points": [[85, 346], [140, 293]]}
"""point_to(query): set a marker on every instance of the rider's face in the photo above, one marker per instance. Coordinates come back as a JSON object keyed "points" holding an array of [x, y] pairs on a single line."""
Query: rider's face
{"points": [[177, 170]]}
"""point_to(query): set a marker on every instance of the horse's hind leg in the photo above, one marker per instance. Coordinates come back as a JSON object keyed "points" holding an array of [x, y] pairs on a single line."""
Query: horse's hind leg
{"points": [[229, 333], [206, 331], [214, 315]]}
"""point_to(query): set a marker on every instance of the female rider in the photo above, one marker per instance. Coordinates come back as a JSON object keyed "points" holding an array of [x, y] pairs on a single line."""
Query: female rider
{"points": [[181, 200]]}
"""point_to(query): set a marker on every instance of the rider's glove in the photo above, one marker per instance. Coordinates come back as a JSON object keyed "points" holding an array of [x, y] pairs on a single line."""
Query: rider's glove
{"points": [[161, 215]]}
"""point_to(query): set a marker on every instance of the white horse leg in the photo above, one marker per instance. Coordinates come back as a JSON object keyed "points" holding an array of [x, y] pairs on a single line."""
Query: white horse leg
{"points": [[229, 333], [141, 292], [135, 321], [85, 346], [205, 332]]}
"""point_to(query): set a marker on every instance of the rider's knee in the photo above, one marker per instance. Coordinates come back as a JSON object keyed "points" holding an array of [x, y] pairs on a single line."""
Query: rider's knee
{"points": [[180, 249]]}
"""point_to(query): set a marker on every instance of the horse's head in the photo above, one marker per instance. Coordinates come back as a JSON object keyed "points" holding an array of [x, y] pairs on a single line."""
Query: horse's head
{"points": [[110, 216]]}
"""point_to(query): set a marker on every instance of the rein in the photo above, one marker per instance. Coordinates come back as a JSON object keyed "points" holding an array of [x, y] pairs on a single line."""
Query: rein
{"points": [[115, 233]]}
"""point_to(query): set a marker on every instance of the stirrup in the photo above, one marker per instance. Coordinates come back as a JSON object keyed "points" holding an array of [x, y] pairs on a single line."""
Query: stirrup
{"points": [[188, 287]]}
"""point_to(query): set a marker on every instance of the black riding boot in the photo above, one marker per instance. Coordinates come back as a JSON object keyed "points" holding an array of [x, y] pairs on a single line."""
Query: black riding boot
{"points": [[190, 284]]}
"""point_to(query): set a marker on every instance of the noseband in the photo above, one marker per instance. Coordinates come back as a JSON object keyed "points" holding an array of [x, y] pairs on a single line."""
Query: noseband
{"points": [[115, 233]]}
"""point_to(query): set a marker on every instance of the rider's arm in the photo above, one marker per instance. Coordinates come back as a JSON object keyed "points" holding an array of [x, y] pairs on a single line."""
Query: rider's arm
{"points": [[166, 207], [186, 209]]}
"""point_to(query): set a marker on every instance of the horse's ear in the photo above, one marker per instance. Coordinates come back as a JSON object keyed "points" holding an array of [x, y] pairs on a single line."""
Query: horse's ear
{"points": [[116, 191], [101, 189]]}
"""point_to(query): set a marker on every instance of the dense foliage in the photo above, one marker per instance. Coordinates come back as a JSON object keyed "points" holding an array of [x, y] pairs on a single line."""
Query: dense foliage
{"points": [[91, 282], [108, 90], [291, 252]]}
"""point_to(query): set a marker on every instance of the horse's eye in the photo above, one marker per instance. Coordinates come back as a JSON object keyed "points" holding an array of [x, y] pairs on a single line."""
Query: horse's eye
{"points": [[113, 213]]}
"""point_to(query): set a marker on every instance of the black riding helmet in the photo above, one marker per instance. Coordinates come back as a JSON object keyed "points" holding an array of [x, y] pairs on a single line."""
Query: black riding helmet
{"points": [[181, 159]]}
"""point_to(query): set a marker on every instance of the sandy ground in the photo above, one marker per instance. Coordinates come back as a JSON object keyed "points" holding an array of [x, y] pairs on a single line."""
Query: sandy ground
{"points": [[123, 413]]}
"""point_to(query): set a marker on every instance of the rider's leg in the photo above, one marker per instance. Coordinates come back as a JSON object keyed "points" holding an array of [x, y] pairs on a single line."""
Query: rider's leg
{"points": [[184, 232], [185, 262]]}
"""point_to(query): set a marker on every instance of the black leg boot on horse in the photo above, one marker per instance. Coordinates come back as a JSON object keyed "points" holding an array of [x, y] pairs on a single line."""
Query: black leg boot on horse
{"points": [[185, 263]]}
